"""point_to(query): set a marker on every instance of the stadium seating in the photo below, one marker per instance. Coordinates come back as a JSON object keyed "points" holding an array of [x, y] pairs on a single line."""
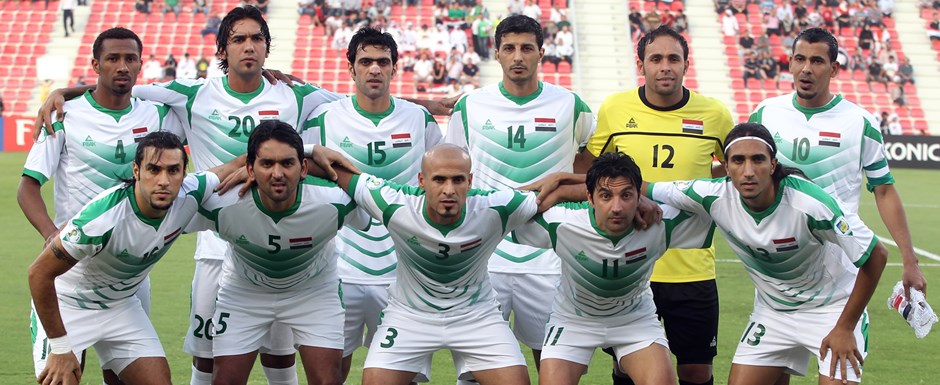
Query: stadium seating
{"points": [[25, 27]]}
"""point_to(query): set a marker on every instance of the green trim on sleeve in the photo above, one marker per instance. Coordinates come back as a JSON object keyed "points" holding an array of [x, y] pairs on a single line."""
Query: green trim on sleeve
{"points": [[428, 118], [57, 126], [190, 92], [351, 188], [200, 192], [506, 210], [672, 223], [871, 246], [42, 179], [343, 210], [551, 228], [461, 106], [872, 133], [211, 215], [875, 182], [756, 116], [579, 107]]}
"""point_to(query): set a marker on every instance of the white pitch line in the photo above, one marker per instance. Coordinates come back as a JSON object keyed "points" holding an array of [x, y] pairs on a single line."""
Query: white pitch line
{"points": [[911, 205], [922, 252], [896, 264]]}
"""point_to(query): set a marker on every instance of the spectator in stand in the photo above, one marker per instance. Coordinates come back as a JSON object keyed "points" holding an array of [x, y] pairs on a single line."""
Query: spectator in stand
{"points": [[471, 57], [332, 24], [379, 8], [745, 43], [772, 24], [857, 62], [202, 67], [866, 39], [889, 70], [653, 20], [44, 90], [721, 6], [482, 27], [563, 22], [897, 96], [532, 10], [564, 40], [457, 38], [828, 19], [814, 20], [843, 16], [785, 16], [440, 71], [894, 125], [342, 36], [153, 70], [471, 75], [425, 38], [873, 16], [933, 29], [738, 6], [407, 61], [667, 18], [556, 14], [424, 72], [752, 68], [186, 69], [515, 7], [142, 6], [729, 24], [262, 5], [769, 69], [172, 6], [201, 6], [409, 38], [887, 7], [80, 81], [882, 122], [637, 25], [550, 54], [874, 73], [68, 15], [1, 106], [212, 26], [905, 72], [306, 7]]}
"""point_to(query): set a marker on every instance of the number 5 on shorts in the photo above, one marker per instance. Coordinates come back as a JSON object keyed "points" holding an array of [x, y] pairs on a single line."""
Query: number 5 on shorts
{"points": [[390, 338]]}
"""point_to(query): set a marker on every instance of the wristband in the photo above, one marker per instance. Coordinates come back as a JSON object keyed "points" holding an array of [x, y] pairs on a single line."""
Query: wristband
{"points": [[60, 345], [308, 150]]}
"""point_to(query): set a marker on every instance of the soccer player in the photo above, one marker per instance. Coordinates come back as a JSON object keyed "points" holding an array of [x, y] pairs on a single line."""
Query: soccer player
{"points": [[94, 151], [83, 283], [835, 142], [282, 266], [604, 298], [672, 133], [814, 265], [385, 137], [517, 131]]}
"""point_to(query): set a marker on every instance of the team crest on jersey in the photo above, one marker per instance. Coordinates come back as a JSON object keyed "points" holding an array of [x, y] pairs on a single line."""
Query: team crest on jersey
{"points": [[139, 133], [401, 140], [632, 123], [683, 185], [842, 226], [545, 125], [374, 183], [268, 115], [73, 234], [690, 126]]}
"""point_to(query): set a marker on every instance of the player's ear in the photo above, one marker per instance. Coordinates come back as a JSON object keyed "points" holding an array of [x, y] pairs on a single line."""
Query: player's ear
{"points": [[94, 65], [421, 179], [135, 171]]}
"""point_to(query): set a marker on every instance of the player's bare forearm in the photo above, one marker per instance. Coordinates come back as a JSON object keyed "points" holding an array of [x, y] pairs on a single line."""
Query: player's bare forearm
{"points": [[895, 219], [718, 170], [228, 173], [29, 196], [582, 161], [865, 283], [441, 107], [51, 263], [326, 158], [564, 193]]}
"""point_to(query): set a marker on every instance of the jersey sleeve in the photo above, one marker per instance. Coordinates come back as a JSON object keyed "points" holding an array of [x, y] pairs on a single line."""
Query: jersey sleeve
{"points": [[177, 94], [458, 128], [43, 159], [683, 195], [515, 207], [311, 98], [170, 121], [685, 230], [584, 122], [200, 185], [539, 232], [602, 130], [849, 233], [874, 161], [86, 234], [314, 129], [432, 131], [373, 195]]}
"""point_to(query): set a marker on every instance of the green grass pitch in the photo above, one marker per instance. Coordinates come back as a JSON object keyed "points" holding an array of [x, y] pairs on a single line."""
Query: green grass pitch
{"points": [[895, 356]]}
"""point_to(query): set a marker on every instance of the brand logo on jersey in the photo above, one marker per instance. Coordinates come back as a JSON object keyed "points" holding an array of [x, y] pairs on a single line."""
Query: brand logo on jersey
{"points": [[545, 124], [172, 236], [139, 133], [89, 142], [777, 138], [241, 240], [488, 125], [414, 241], [785, 244], [714, 342], [581, 257], [374, 183], [471, 245], [345, 143], [831, 139], [268, 115], [123, 254], [690, 126], [842, 226], [401, 140], [635, 255], [300, 243], [215, 115], [632, 124]]}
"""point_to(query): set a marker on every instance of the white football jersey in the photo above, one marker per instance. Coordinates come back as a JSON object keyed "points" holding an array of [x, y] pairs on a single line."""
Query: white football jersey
{"points": [[93, 149], [603, 275], [218, 121], [799, 252], [442, 268], [116, 246], [514, 141], [281, 250], [834, 145], [389, 145]]}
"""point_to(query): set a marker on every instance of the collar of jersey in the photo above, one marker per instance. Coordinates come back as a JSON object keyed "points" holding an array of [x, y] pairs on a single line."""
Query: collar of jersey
{"points": [[520, 100], [153, 222], [276, 216], [374, 117], [810, 111], [604, 234], [444, 229], [116, 114], [686, 95], [759, 216], [244, 97]]}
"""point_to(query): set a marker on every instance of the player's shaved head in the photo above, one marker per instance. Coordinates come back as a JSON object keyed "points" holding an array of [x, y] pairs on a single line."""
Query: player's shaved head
{"points": [[444, 151], [446, 179]]}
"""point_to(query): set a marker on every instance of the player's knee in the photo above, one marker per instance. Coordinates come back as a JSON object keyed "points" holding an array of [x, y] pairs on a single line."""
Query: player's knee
{"points": [[277, 362], [695, 374], [203, 364]]}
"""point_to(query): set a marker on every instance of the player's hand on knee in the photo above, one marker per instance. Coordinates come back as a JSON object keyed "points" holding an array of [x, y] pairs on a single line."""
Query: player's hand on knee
{"points": [[53, 103], [841, 344], [648, 213], [61, 369]]}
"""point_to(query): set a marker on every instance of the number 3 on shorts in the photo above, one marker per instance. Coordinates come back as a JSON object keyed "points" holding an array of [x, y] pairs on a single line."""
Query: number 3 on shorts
{"points": [[390, 338], [758, 333]]}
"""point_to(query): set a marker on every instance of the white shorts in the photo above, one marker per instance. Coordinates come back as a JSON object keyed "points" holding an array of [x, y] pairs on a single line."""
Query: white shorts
{"points": [[119, 334], [530, 297], [478, 338], [778, 339], [245, 315], [364, 304], [575, 339]]}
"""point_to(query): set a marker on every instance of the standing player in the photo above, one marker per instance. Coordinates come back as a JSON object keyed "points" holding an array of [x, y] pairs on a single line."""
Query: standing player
{"points": [[385, 137], [814, 265], [94, 151], [282, 267], [672, 133], [604, 297], [83, 283], [518, 131], [835, 142]]}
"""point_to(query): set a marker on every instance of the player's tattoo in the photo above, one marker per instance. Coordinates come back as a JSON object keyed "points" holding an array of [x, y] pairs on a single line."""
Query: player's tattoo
{"points": [[62, 255]]}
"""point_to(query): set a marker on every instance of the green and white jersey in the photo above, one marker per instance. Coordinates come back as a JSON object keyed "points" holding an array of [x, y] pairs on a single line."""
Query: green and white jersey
{"points": [[278, 251], [834, 144], [218, 121], [116, 246], [93, 149], [388, 145], [604, 276], [799, 252], [442, 268], [514, 141]]}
